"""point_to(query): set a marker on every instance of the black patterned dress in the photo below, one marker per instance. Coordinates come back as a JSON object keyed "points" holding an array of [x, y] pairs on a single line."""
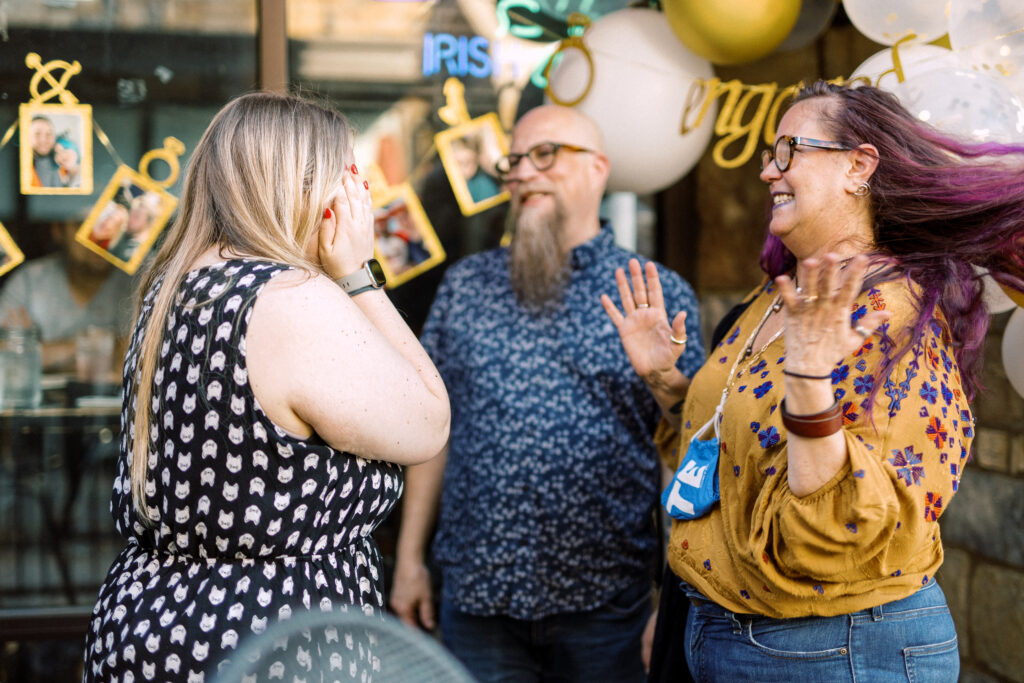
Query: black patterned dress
{"points": [[252, 524]]}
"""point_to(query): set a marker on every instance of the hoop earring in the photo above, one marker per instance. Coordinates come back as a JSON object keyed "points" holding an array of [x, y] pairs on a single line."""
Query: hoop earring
{"points": [[863, 190]]}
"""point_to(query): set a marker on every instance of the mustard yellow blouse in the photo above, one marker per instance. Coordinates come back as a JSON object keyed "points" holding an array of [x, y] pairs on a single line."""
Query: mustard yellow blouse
{"points": [[869, 536]]}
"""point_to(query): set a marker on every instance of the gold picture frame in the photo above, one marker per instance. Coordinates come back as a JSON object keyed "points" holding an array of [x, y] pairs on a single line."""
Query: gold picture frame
{"points": [[405, 242], [10, 254], [56, 148], [468, 152], [127, 219]]}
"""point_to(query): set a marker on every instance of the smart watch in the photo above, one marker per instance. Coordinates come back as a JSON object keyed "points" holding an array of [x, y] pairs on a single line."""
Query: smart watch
{"points": [[369, 276]]}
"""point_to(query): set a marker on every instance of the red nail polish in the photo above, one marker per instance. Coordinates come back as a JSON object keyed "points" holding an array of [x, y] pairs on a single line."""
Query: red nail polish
{"points": [[327, 213], [366, 185], [355, 170]]}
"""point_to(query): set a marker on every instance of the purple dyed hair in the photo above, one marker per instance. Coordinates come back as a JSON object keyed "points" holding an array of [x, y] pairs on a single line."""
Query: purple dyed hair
{"points": [[940, 206]]}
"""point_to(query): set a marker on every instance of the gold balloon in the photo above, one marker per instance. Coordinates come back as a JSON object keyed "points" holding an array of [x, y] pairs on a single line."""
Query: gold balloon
{"points": [[731, 31], [1018, 297]]}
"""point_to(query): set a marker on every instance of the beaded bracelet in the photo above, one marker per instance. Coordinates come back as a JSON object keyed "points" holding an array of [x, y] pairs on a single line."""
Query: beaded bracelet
{"points": [[825, 423]]}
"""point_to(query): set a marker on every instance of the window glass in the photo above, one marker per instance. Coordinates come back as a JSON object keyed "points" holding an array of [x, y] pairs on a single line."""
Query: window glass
{"points": [[150, 69]]}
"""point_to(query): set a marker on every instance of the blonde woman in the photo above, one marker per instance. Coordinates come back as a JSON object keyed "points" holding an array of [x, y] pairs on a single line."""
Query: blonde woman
{"points": [[267, 409]]}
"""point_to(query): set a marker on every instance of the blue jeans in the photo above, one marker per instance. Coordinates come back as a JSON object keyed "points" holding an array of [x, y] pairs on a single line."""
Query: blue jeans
{"points": [[599, 645], [905, 640]]}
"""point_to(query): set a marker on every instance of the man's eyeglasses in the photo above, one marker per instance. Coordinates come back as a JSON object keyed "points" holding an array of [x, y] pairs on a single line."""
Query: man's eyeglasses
{"points": [[785, 146], [542, 156]]}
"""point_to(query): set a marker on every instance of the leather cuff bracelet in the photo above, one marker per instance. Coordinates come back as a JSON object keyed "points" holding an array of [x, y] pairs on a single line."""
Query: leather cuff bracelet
{"points": [[825, 423]]}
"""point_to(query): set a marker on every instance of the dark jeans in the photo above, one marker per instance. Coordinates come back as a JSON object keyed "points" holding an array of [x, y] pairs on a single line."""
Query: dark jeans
{"points": [[909, 640], [599, 645]]}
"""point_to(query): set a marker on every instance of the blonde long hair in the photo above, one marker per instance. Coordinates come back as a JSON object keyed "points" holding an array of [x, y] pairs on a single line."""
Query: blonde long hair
{"points": [[257, 185]]}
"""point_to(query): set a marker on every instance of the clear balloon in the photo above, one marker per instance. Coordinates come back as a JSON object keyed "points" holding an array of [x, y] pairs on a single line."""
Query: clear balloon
{"points": [[914, 60], [966, 104], [886, 21], [731, 31], [1013, 350], [989, 35], [815, 16], [642, 76]]}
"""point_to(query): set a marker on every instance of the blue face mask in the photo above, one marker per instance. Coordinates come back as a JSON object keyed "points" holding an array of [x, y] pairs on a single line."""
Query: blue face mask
{"points": [[694, 487]]}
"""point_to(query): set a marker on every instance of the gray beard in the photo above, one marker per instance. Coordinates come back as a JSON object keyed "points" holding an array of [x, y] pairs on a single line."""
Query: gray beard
{"points": [[538, 268]]}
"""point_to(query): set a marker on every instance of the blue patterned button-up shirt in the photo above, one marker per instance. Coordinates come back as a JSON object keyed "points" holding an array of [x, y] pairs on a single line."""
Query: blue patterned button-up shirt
{"points": [[552, 475]]}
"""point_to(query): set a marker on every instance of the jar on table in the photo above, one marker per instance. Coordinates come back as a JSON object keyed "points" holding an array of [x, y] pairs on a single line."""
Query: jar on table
{"points": [[21, 367]]}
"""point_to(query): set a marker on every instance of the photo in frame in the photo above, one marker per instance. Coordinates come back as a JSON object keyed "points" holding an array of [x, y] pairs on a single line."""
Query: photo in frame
{"points": [[404, 243], [468, 152], [10, 255], [127, 219], [56, 148]]}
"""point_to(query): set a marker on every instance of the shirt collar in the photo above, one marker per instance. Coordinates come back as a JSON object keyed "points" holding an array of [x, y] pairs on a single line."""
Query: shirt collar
{"points": [[591, 251]]}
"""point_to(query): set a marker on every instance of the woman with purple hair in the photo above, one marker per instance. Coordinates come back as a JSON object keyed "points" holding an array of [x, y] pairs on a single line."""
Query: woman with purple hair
{"points": [[839, 400]]}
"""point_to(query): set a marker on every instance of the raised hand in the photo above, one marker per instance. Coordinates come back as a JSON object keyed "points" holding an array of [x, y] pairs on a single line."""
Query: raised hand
{"points": [[651, 343], [346, 229], [818, 330]]}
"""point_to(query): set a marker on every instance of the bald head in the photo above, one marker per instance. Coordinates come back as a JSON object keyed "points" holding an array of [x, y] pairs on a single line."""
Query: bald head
{"points": [[557, 124]]}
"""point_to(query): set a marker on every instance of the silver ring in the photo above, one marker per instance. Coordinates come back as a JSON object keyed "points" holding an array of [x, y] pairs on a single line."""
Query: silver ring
{"points": [[643, 305], [677, 341], [862, 331]]}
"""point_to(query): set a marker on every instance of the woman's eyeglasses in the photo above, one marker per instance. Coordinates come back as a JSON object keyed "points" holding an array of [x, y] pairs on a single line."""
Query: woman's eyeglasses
{"points": [[542, 156], [782, 153]]}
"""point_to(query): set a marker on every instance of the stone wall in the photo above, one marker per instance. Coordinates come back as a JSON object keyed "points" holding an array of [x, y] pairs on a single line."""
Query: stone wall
{"points": [[718, 217]]}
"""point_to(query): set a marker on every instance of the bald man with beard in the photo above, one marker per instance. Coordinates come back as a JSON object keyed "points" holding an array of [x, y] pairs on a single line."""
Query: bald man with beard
{"points": [[545, 539]]}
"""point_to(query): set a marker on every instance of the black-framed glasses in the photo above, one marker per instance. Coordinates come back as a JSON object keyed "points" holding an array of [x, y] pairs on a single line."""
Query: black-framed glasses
{"points": [[782, 153], [542, 156]]}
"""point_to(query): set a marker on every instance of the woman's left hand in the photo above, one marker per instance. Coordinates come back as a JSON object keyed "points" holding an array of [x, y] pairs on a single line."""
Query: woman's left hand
{"points": [[346, 234], [819, 333]]}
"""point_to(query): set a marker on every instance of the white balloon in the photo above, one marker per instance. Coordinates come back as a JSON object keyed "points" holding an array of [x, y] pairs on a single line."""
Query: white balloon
{"points": [[1013, 350], [886, 21], [966, 104], [996, 300], [914, 60], [989, 36], [642, 77]]}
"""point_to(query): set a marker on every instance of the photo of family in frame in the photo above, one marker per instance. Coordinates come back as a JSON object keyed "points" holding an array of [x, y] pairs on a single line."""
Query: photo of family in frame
{"points": [[10, 255], [125, 222], [56, 148], [469, 152], [405, 243]]}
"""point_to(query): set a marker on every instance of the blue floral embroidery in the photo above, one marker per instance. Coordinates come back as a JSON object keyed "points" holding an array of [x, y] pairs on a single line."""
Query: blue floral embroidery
{"points": [[908, 466], [947, 395], [862, 365], [763, 389], [732, 337], [755, 427], [759, 366], [707, 565], [857, 314], [859, 474], [736, 470], [851, 527], [929, 393], [840, 373], [769, 437], [864, 384], [770, 471]]}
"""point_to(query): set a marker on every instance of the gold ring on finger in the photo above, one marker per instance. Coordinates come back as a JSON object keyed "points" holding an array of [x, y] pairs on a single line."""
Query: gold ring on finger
{"points": [[643, 305]]}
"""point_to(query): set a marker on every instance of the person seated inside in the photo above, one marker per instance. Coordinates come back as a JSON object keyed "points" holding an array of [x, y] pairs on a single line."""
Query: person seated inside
{"points": [[65, 293]]}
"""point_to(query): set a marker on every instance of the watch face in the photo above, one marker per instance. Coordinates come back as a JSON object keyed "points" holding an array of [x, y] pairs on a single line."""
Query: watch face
{"points": [[376, 272]]}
